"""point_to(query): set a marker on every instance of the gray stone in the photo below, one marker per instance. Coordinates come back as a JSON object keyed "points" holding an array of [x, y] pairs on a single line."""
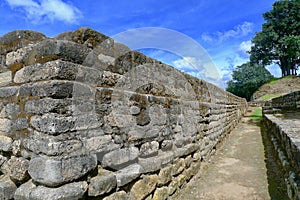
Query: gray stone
{"points": [[16, 147], [149, 149], [71, 191], [19, 55], [103, 183], [186, 150], [5, 78], [128, 174], [5, 143], [3, 159], [58, 70], [19, 124], [50, 49], [18, 39], [48, 105], [98, 143], [134, 110], [57, 89], [5, 126], [140, 134], [7, 92], [55, 124], [121, 195], [166, 157], [166, 145], [110, 79], [18, 169], [152, 164], [53, 172], [120, 158], [50, 146], [10, 110], [7, 188]]}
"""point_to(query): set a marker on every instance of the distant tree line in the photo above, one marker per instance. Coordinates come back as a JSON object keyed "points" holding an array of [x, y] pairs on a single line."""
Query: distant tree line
{"points": [[277, 43]]}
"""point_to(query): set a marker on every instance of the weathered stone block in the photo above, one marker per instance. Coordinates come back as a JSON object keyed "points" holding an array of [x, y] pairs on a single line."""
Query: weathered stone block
{"points": [[117, 196], [51, 146], [166, 157], [143, 187], [152, 164], [178, 166], [7, 188], [149, 149], [5, 143], [55, 124], [161, 193], [120, 158], [18, 169], [176, 184], [54, 172], [128, 174], [58, 70], [3, 159], [29, 191], [6, 92], [166, 145], [5, 125], [5, 78], [186, 150], [98, 143], [165, 175], [103, 183], [10, 110]]}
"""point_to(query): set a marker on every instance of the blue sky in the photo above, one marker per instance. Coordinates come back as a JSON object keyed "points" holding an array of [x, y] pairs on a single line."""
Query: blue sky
{"points": [[223, 29]]}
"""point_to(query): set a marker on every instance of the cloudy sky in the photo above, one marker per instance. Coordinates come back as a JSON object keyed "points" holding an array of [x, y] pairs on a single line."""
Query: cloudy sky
{"points": [[206, 38]]}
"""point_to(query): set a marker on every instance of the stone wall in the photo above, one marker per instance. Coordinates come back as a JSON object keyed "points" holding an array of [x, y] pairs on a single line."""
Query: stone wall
{"points": [[281, 123], [84, 117], [284, 103]]}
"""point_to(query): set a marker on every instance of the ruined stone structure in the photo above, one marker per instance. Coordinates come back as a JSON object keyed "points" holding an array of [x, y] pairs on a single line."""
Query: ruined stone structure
{"points": [[82, 116], [281, 122]]}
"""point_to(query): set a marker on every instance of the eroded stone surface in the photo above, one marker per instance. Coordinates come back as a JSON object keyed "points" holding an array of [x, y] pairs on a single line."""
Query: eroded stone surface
{"points": [[29, 191], [54, 172]]}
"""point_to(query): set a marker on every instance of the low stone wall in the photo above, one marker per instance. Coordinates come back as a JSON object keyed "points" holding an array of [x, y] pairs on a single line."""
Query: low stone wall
{"points": [[281, 104], [84, 117], [281, 122]]}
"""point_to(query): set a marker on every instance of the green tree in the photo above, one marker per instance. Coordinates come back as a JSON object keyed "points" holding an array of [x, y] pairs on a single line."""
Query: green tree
{"points": [[246, 79], [279, 40]]}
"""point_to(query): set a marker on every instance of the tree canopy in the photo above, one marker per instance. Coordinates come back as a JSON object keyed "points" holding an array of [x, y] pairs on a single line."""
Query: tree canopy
{"points": [[279, 40], [247, 78]]}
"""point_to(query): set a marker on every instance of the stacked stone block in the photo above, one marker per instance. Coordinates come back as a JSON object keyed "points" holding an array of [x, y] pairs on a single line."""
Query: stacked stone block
{"points": [[281, 123], [84, 117]]}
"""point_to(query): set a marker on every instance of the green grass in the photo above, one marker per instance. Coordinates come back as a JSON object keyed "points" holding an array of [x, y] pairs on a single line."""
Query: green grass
{"points": [[256, 114], [270, 96], [276, 79]]}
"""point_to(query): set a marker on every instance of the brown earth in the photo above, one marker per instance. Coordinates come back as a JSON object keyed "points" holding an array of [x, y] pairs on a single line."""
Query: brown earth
{"points": [[237, 170]]}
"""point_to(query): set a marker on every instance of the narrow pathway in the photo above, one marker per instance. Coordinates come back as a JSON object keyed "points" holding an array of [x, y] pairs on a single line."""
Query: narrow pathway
{"points": [[237, 171]]}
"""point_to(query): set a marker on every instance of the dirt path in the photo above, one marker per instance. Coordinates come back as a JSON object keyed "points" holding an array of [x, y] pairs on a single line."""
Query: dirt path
{"points": [[237, 171]]}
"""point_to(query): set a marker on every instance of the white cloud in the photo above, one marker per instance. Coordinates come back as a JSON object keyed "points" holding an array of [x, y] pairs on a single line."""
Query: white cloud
{"points": [[238, 31], [245, 46], [42, 11]]}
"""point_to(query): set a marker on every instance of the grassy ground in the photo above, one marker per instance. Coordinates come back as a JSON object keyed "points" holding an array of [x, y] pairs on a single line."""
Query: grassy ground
{"points": [[257, 113], [267, 97]]}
